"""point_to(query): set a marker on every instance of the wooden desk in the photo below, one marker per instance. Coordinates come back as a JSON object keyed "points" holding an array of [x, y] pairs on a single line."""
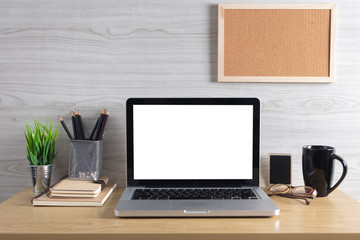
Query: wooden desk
{"points": [[334, 217]]}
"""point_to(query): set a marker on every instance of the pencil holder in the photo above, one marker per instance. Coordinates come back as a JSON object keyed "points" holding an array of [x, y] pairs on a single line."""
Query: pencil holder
{"points": [[85, 159]]}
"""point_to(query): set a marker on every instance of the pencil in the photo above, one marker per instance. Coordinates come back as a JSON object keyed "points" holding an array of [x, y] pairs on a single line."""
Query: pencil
{"points": [[98, 128], [104, 124], [81, 126], [74, 124], [65, 127], [94, 129], [77, 124]]}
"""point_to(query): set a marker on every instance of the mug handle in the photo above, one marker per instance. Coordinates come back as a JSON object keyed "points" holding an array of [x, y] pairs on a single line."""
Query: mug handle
{"points": [[345, 169]]}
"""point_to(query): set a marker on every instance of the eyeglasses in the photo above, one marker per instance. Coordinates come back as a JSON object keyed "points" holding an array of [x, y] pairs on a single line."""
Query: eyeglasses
{"points": [[299, 192]]}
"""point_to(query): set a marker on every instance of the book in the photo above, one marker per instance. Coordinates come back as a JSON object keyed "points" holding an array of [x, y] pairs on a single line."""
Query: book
{"points": [[76, 188], [79, 194], [48, 200]]}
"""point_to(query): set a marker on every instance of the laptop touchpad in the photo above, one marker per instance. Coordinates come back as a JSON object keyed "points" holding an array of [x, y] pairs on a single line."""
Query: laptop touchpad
{"points": [[196, 205]]}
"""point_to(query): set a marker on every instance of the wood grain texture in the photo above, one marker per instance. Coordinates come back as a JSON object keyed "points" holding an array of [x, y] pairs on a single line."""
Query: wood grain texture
{"points": [[329, 218], [59, 55]]}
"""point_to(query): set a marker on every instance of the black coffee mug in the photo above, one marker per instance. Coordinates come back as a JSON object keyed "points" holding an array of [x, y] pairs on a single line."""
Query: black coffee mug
{"points": [[318, 168]]}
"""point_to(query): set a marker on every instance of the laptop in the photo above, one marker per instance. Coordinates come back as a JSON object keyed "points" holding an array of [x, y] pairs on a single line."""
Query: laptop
{"points": [[193, 157]]}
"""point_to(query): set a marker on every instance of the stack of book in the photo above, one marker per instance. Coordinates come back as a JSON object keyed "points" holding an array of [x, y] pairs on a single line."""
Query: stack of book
{"points": [[68, 192]]}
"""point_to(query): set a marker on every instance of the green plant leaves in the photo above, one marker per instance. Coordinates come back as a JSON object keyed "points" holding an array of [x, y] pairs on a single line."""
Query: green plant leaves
{"points": [[41, 143]]}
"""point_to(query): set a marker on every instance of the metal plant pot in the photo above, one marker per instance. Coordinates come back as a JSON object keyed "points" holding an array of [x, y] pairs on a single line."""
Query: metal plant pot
{"points": [[40, 177]]}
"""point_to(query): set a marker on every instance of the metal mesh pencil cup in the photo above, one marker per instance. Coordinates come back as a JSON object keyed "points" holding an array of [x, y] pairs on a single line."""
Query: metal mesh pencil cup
{"points": [[85, 159]]}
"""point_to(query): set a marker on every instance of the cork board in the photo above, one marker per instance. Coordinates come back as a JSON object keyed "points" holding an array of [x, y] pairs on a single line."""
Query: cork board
{"points": [[276, 42]]}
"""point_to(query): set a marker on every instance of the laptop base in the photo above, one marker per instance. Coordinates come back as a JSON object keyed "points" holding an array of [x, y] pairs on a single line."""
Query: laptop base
{"points": [[262, 207]]}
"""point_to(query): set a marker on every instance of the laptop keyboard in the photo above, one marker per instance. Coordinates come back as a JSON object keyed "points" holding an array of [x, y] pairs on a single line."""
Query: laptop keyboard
{"points": [[196, 193]]}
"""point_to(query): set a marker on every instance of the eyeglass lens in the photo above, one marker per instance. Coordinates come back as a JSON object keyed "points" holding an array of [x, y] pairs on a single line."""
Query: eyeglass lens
{"points": [[296, 190]]}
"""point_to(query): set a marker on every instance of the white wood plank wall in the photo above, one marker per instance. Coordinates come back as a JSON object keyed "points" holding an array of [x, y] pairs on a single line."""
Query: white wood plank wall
{"points": [[59, 55]]}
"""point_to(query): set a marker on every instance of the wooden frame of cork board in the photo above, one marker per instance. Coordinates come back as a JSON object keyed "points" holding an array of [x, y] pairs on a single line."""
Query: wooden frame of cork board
{"points": [[276, 42]]}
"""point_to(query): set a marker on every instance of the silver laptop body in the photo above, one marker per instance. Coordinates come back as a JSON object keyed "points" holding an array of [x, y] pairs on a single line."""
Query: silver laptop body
{"points": [[195, 145]]}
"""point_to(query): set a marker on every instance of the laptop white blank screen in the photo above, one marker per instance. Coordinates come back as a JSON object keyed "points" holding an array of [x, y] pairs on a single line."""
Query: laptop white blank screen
{"points": [[193, 142]]}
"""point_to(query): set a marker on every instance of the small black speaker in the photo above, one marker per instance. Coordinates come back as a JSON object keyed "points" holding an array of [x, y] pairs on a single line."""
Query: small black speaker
{"points": [[279, 168]]}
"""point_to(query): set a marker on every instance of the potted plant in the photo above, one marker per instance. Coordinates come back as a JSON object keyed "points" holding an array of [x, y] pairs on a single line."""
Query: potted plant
{"points": [[41, 152]]}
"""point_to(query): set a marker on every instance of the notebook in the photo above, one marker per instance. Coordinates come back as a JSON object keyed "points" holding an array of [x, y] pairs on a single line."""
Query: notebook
{"points": [[45, 200], [193, 157], [77, 188]]}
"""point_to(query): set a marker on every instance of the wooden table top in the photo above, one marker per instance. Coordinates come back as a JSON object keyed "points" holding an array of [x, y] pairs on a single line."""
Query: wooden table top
{"points": [[333, 217]]}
